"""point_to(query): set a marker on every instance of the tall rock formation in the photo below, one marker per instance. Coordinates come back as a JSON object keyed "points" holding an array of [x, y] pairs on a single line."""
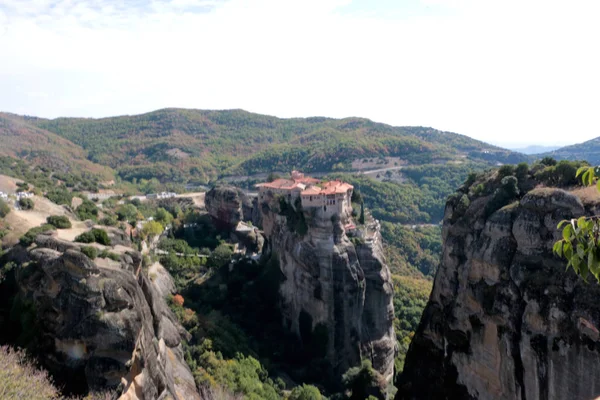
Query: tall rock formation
{"points": [[335, 287], [101, 324], [505, 320]]}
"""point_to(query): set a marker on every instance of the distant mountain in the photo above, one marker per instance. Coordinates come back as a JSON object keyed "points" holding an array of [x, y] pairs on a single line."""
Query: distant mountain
{"points": [[534, 149], [588, 151], [180, 145]]}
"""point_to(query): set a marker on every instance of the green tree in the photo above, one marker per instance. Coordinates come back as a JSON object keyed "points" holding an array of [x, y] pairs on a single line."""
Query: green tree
{"points": [[220, 257], [163, 216], [152, 229], [305, 392], [364, 381], [128, 212], [361, 219], [26, 204], [59, 221], [87, 210], [4, 209], [90, 251]]}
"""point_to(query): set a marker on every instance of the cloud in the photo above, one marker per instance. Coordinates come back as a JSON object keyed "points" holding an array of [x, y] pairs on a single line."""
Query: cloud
{"points": [[500, 71]]}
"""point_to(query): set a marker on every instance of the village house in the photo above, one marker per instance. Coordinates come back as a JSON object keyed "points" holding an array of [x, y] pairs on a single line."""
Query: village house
{"points": [[24, 195], [333, 196], [161, 195], [3, 196]]}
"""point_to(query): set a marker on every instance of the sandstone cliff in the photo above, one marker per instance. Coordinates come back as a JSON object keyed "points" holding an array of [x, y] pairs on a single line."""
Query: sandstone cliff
{"points": [[102, 324], [505, 320], [333, 287]]}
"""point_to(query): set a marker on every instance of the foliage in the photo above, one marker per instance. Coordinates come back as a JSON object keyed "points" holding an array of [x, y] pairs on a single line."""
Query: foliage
{"points": [[305, 392], [412, 249], [21, 379], [90, 251], [59, 221], [28, 238], [559, 174], [152, 229], [410, 298], [220, 257], [127, 212], [95, 235], [364, 381], [60, 196], [294, 215], [163, 217], [580, 244], [87, 210], [26, 204], [4, 209], [107, 254]]}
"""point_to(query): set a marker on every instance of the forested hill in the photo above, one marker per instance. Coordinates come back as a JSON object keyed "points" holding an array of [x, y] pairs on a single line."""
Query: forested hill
{"points": [[179, 145], [588, 151]]}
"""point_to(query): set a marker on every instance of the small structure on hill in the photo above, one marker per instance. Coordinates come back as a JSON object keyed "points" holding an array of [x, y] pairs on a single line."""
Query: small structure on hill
{"points": [[333, 196], [161, 195], [3, 196]]}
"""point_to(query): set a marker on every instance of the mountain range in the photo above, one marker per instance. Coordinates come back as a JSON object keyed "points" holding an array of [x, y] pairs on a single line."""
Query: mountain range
{"points": [[182, 145]]}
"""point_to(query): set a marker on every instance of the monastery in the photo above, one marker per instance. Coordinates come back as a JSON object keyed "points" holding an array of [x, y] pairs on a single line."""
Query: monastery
{"points": [[333, 196]]}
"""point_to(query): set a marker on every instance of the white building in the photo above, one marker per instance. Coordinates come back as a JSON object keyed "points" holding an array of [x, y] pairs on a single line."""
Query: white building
{"points": [[24, 195], [3, 196]]}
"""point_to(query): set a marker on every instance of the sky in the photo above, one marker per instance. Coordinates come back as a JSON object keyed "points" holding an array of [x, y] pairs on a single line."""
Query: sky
{"points": [[510, 72]]}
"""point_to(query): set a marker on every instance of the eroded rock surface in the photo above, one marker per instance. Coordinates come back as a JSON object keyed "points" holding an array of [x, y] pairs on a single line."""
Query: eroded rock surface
{"points": [[335, 285], [505, 320], [228, 205], [103, 324]]}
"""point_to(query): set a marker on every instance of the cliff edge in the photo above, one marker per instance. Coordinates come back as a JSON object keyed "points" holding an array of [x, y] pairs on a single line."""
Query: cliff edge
{"points": [[505, 320]]}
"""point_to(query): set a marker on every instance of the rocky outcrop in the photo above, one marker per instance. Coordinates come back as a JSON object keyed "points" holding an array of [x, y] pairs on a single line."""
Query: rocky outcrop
{"points": [[228, 205], [336, 289], [102, 324], [505, 320]]}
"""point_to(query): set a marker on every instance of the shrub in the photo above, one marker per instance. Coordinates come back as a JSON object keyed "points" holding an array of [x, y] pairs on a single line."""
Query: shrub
{"points": [[108, 254], [60, 196], [90, 251], [59, 221], [4, 209], [506, 170], [220, 257], [110, 220], [28, 238], [305, 392], [26, 204], [95, 235], [87, 210], [20, 379]]}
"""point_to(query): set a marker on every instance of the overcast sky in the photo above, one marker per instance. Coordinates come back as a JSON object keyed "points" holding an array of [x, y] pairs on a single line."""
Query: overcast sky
{"points": [[505, 71]]}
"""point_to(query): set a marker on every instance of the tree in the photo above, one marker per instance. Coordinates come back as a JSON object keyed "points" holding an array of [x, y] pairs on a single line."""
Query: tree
{"points": [[59, 221], [163, 216], [580, 244], [364, 381], [87, 210], [220, 256], [361, 219], [26, 204], [127, 213], [305, 392], [152, 229], [4, 209]]}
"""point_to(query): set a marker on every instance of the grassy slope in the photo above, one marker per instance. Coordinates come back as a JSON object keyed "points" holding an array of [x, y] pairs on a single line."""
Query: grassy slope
{"points": [[24, 140]]}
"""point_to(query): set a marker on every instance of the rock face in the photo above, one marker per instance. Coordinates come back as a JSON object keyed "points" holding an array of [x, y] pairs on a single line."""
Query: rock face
{"points": [[334, 288], [102, 324], [505, 320], [229, 205]]}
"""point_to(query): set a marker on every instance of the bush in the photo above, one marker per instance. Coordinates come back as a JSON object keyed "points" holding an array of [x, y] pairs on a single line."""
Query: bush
{"points": [[26, 204], [505, 170], [220, 257], [108, 254], [20, 379], [59, 221], [95, 235], [60, 196], [28, 238], [87, 210], [90, 251], [4, 209], [305, 392]]}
